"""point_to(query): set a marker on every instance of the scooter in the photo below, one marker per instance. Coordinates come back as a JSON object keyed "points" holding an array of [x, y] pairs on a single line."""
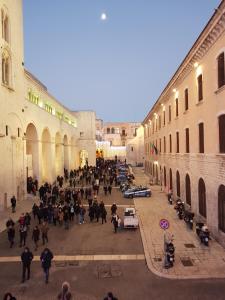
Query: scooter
{"points": [[203, 233], [170, 200], [169, 255], [188, 218], [179, 207]]}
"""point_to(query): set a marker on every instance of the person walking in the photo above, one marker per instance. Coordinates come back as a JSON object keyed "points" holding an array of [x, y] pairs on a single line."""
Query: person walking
{"points": [[65, 293], [44, 232], [11, 235], [46, 260], [110, 189], [103, 215], [113, 208], [23, 235], [26, 258], [36, 236], [9, 296], [114, 220], [13, 203]]}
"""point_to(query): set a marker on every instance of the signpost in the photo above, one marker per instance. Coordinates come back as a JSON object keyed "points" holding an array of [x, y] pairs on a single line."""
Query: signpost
{"points": [[164, 224]]}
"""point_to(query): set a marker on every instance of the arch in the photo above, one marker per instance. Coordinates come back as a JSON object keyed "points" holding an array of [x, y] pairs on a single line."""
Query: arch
{"points": [[178, 183], [188, 189], [202, 197], [171, 180], [221, 207], [32, 151], [46, 155], [66, 152], [164, 169], [58, 154], [6, 67]]}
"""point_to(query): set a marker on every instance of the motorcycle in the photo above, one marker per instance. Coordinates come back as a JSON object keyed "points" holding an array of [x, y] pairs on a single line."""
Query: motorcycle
{"points": [[188, 218], [170, 200], [179, 207], [169, 255], [203, 233]]}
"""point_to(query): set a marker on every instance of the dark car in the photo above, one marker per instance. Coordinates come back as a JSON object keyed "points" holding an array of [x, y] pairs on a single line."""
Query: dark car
{"points": [[137, 192]]}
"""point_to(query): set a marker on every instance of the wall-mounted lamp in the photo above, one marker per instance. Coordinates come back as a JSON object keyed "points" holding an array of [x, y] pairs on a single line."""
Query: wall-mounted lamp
{"points": [[196, 64]]}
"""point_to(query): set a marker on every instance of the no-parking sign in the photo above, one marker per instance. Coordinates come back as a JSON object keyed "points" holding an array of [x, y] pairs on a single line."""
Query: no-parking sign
{"points": [[164, 224]]}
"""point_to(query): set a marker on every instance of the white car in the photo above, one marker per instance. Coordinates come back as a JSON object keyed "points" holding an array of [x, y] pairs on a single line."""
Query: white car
{"points": [[130, 218]]}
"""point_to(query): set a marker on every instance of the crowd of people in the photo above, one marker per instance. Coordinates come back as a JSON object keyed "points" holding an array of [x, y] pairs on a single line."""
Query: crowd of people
{"points": [[62, 203]]}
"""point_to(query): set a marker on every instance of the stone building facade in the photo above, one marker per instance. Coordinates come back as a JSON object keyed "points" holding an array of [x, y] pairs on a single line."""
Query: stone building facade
{"points": [[39, 137], [185, 129]]}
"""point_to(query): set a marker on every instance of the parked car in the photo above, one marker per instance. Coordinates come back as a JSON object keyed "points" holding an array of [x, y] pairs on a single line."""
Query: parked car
{"points": [[121, 178], [130, 218], [137, 192]]}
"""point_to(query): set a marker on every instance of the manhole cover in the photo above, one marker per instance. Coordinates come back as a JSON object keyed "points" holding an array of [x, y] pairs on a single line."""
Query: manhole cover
{"points": [[187, 262], [189, 245], [157, 259]]}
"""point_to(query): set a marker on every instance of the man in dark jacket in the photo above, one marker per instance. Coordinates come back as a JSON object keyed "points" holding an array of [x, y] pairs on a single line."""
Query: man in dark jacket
{"points": [[26, 258], [46, 259], [36, 236], [11, 235], [13, 203]]}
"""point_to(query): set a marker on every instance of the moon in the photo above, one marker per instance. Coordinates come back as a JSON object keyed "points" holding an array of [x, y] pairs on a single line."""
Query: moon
{"points": [[103, 16]]}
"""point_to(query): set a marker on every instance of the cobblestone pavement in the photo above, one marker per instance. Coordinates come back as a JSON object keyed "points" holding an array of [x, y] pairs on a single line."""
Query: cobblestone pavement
{"points": [[192, 259]]}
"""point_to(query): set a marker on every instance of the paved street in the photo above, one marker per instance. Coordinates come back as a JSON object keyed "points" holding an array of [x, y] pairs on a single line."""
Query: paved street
{"points": [[95, 260]]}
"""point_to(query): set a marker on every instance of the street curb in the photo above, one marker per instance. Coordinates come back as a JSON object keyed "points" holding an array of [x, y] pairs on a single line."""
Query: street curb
{"points": [[160, 274]]}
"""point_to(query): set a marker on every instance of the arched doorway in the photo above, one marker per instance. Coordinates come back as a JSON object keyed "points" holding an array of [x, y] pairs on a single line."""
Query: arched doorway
{"points": [[32, 151], [83, 158], [202, 197], [188, 189], [221, 207], [171, 180], [46, 156], [178, 183], [66, 152], [164, 176], [58, 154]]}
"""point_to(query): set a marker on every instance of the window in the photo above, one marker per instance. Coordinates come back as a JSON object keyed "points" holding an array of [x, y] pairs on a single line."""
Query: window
{"points": [[132, 149], [81, 134], [202, 197], [164, 117], [164, 176], [186, 99], [171, 180], [18, 132], [6, 68], [177, 138], [123, 132], [164, 144], [177, 112], [135, 132], [222, 133], [169, 113], [178, 183], [221, 207], [201, 137], [187, 140], [170, 141], [108, 130], [159, 122], [200, 88], [188, 189], [112, 130], [5, 26], [160, 146], [6, 130], [220, 67]]}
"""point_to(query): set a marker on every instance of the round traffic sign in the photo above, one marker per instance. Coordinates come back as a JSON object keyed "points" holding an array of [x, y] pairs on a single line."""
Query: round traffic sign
{"points": [[164, 224]]}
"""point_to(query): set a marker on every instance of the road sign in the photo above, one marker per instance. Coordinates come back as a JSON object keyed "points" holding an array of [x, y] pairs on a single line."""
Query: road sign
{"points": [[164, 224]]}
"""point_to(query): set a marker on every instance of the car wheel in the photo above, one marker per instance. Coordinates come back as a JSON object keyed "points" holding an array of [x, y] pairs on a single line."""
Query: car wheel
{"points": [[148, 195]]}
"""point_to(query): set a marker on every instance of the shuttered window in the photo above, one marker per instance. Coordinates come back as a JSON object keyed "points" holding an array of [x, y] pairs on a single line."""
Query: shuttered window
{"points": [[164, 117], [186, 99], [202, 197], [201, 137], [221, 207], [222, 133], [200, 88], [164, 144], [169, 113], [178, 183], [221, 75], [178, 146], [170, 141], [187, 140], [177, 108]]}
